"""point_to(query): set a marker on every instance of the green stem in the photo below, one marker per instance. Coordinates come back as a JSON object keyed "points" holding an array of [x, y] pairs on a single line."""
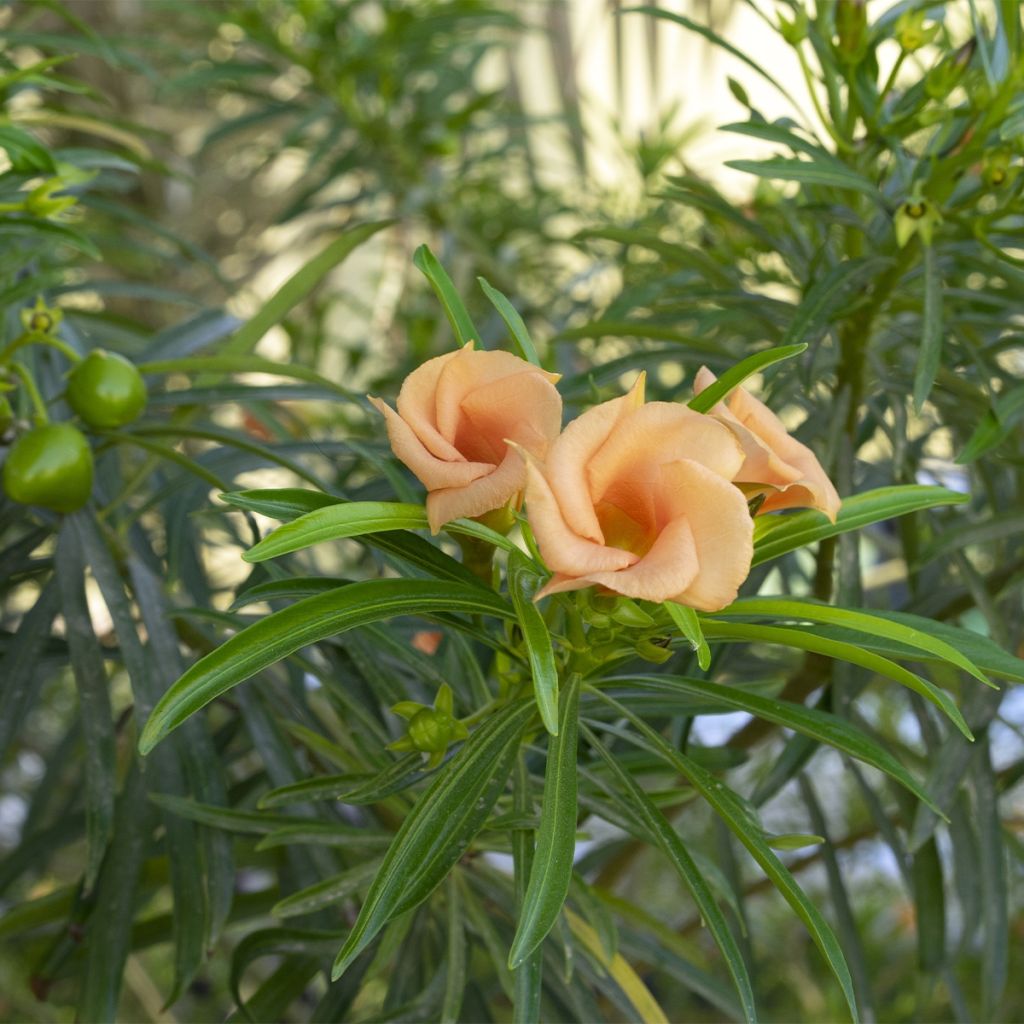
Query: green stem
{"points": [[891, 80], [38, 338], [812, 91], [527, 976], [41, 417]]}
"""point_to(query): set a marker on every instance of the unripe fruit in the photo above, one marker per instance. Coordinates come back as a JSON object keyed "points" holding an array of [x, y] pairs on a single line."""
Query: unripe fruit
{"points": [[106, 390], [50, 466], [431, 730]]}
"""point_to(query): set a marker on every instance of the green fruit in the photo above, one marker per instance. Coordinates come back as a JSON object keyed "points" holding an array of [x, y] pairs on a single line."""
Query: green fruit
{"points": [[106, 390], [6, 414], [431, 730], [50, 466]]}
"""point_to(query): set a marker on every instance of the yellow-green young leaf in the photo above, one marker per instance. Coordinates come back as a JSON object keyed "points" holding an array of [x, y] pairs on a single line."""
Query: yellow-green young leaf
{"points": [[839, 649], [647, 1009], [792, 840], [462, 325], [551, 870], [736, 375], [537, 639], [688, 623], [440, 827], [665, 838], [777, 535], [303, 623]]}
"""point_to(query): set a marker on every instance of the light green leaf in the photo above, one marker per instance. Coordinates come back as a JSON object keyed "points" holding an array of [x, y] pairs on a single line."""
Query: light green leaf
{"points": [[736, 375], [738, 817], [817, 725], [551, 870], [777, 535], [688, 623], [537, 639], [923, 639], [513, 321], [806, 641], [808, 172], [665, 838], [440, 827], [929, 355], [301, 624], [462, 326]]}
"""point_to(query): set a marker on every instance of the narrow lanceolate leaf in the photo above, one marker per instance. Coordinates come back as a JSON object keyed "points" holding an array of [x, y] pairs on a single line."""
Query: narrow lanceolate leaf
{"points": [[551, 870], [281, 503], [688, 623], [327, 891], [674, 849], [737, 816], [736, 375], [298, 286], [513, 321], [350, 789], [777, 535], [810, 722], [639, 995], [303, 623], [93, 701], [537, 639], [20, 663], [826, 294], [808, 172], [455, 967], [806, 641], [995, 425], [462, 325], [867, 622], [930, 352], [335, 522], [440, 827]]}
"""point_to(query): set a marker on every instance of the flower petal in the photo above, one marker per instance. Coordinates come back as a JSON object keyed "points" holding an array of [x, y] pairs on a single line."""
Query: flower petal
{"points": [[576, 445], [478, 496], [565, 551], [416, 405], [523, 407], [667, 569], [467, 370], [717, 514], [658, 433], [430, 470]]}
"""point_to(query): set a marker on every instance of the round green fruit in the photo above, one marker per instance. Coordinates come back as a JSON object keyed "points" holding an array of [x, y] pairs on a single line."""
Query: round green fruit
{"points": [[106, 390], [50, 466]]}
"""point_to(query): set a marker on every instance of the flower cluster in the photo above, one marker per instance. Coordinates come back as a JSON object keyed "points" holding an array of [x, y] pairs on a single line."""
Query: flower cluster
{"points": [[648, 500]]}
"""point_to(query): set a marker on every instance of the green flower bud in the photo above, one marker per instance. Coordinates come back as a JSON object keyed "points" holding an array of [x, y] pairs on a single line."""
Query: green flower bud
{"points": [[911, 33], [851, 28], [795, 31], [41, 201], [41, 319], [916, 216], [996, 171], [943, 78]]}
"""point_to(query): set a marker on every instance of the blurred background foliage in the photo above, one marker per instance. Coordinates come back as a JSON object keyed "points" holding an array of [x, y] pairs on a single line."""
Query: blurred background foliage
{"points": [[173, 172]]}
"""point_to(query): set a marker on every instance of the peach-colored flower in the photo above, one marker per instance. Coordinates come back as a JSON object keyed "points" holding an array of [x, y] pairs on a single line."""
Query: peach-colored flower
{"points": [[776, 464], [638, 499], [454, 416]]}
